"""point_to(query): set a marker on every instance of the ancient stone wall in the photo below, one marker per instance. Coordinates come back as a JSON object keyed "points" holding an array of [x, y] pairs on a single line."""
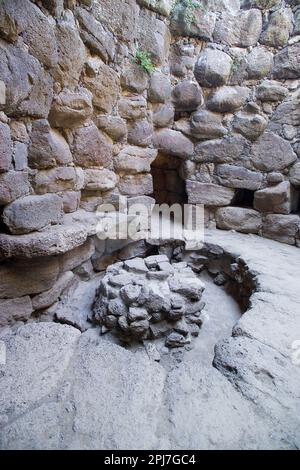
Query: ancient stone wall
{"points": [[81, 123]]}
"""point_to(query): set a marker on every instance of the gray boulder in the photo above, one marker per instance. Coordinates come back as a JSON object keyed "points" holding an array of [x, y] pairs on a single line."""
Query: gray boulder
{"points": [[32, 213], [242, 30], [280, 199], [140, 133], [227, 99], [113, 126], [240, 219], [207, 125], [99, 180], [29, 88], [259, 63], [65, 178], [13, 184], [159, 88], [187, 96], [134, 160], [238, 177], [271, 153], [283, 228], [173, 143], [71, 108], [91, 147], [279, 28], [93, 34], [287, 62], [213, 68], [224, 150], [208, 194], [249, 125], [270, 90], [48, 148]]}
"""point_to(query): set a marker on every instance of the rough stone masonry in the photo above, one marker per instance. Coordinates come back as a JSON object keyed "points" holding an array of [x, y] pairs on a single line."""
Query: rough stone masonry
{"points": [[81, 123]]}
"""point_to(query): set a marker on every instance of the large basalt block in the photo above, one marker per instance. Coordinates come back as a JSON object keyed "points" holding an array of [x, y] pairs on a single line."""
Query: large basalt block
{"points": [[249, 125], [227, 99], [13, 184], [91, 147], [280, 199], [32, 213], [71, 53], [22, 18], [162, 115], [159, 88], [208, 194], [132, 107], [140, 133], [162, 7], [19, 278], [213, 68], [279, 28], [173, 143], [134, 79], [71, 108], [294, 174], [238, 177], [5, 147], [242, 30], [58, 179], [119, 17], [136, 185], [103, 82], [287, 62], [48, 148], [187, 96], [189, 19], [99, 180], [272, 153], [259, 63], [153, 36], [283, 228], [271, 90], [207, 125], [134, 160], [286, 116], [226, 150], [29, 88], [114, 126], [93, 34], [238, 218]]}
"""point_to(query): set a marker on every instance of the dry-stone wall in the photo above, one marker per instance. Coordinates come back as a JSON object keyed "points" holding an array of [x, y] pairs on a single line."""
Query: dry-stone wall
{"points": [[81, 123]]}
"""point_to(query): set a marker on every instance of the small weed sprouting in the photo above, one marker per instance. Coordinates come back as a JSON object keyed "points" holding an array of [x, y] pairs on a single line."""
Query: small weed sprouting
{"points": [[143, 59]]}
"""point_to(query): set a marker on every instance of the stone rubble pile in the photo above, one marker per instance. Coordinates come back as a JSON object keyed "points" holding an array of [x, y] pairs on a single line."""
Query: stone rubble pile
{"points": [[150, 298]]}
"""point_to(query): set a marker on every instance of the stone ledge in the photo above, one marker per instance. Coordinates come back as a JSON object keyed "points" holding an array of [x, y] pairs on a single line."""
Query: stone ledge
{"points": [[55, 241]]}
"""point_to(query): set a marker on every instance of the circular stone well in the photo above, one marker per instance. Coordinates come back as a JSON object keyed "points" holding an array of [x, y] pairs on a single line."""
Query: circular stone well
{"points": [[150, 298]]}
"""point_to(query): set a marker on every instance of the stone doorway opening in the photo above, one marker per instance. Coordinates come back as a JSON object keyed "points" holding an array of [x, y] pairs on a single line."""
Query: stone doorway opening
{"points": [[168, 186]]}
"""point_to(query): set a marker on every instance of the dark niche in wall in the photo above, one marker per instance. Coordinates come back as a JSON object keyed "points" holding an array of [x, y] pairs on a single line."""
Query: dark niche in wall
{"points": [[168, 186], [243, 198]]}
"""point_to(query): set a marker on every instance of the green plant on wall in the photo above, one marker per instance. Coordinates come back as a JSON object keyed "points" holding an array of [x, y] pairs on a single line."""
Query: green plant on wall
{"points": [[143, 59]]}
